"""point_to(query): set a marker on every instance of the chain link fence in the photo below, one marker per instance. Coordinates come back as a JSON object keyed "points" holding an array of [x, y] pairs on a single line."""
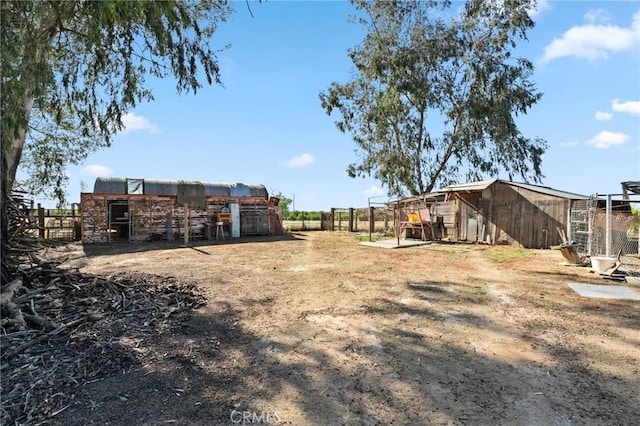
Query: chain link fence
{"points": [[597, 232]]}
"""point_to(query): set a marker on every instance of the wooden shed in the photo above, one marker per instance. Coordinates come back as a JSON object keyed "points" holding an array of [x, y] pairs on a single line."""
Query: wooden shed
{"points": [[498, 211], [123, 209]]}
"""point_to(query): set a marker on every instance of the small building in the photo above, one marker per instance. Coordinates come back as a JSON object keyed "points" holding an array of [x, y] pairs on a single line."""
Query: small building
{"points": [[123, 209], [494, 211]]}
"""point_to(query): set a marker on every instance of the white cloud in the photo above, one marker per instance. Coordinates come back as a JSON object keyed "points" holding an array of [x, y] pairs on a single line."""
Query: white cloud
{"points": [[629, 107], [603, 116], [97, 170], [133, 122], [569, 144], [606, 139], [540, 6], [374, 191], [594, 40], [595, 16], [301, 160]]}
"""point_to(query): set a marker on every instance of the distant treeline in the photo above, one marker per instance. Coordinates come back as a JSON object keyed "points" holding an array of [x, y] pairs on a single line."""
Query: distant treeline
{"points": [[360, 214], [302, 215]]}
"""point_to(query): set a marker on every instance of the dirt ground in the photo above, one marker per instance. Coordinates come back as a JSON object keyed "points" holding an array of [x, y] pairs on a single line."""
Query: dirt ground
{"points": [[315, 329]]}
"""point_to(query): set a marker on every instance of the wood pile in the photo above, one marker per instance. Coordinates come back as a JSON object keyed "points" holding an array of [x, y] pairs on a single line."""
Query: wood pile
{"points": [[61, 329]]}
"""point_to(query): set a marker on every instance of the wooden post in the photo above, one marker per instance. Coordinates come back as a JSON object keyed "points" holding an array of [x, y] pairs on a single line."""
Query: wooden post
{"points": [[331, 218], [351, 219], [40, 221], [186, 224], [372, 222], [396, 221], [169, 225]]}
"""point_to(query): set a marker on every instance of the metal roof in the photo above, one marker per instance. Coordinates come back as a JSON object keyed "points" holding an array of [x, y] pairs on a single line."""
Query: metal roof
{"points": [[483, 184], [470, 186], [109, 185], [632, 186], [113, 185], [549, 191]]}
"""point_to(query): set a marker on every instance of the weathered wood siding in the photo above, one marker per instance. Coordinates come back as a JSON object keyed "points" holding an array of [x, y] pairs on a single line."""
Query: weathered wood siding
{"points": [[527, 219], [155, 217], [448, 211], [94, 217], [468, 208]]}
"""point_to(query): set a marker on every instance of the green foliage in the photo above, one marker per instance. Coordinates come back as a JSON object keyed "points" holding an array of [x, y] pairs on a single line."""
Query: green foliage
{"points": [[287, 214], [435, 93], [634, 226], [506, 255], [366, 237], [284, 203], [302, 215], [72, 69], [480, 291]]}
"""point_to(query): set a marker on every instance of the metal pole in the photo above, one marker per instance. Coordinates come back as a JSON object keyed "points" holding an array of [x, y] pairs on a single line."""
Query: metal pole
{"points": [[608, 232]]}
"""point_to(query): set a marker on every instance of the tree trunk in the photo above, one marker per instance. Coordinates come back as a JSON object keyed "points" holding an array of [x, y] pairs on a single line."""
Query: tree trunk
{"points": [[5, 223], [13, 149]]}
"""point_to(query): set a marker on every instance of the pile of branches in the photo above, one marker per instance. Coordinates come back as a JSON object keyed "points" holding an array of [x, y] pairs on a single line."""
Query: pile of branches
{"points": [[62, 328], [19, 244]]}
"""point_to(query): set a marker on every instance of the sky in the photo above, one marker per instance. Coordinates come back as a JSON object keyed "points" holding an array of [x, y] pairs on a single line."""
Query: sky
{"points": [[266, 125]]}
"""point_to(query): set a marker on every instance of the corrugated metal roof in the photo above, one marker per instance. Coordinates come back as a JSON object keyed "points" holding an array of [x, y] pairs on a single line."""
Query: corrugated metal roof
{"points": [[470, 186], [160, 187], [483, 184], [549, 191], [632, 186], [169, 187], [109, 185]]}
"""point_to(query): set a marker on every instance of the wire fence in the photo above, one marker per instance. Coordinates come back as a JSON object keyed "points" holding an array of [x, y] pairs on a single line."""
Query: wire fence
{"points": [[597, 231]]}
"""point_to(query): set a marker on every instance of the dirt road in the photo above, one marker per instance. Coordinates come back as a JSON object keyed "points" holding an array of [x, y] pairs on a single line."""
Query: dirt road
{"points": [[314, 329]]}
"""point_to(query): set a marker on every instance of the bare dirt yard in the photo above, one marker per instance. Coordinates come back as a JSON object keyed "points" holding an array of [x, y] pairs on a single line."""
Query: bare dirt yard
{"points": [[315, 329]]}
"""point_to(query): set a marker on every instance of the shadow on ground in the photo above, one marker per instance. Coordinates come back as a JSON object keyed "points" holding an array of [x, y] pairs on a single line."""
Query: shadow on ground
{"points": [[209, 370]]}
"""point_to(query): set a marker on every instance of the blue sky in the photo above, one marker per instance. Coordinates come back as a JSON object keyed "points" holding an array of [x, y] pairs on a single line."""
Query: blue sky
{"points": [[266, 125]]}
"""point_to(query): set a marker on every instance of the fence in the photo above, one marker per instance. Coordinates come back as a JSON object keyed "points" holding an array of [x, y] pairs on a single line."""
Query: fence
{"points": [[347, 220], [55, 224], [606, 226], [371, 219]]}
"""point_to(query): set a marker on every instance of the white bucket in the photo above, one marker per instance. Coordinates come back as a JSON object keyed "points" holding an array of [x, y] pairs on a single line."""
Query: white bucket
{"points": [[602, 264]]}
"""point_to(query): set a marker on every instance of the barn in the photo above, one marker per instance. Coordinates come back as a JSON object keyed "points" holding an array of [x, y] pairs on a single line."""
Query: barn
{"points": [[124, 209], [493, 211]]}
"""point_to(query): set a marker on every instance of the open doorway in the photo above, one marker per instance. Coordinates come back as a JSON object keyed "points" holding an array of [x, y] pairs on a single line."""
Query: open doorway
{"points": [[119, 220]]}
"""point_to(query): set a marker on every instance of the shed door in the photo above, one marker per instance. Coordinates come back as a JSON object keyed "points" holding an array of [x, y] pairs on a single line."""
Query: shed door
{"points": [[468, 222], [472, 229]]}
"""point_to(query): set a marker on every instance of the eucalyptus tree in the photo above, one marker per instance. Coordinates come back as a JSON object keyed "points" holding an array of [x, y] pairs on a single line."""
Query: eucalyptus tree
{"points": [[435, 93], [71, 69]]}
